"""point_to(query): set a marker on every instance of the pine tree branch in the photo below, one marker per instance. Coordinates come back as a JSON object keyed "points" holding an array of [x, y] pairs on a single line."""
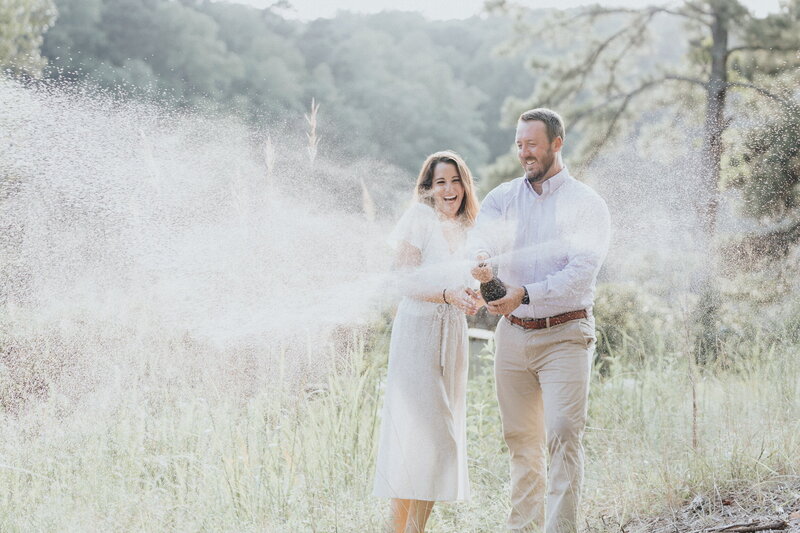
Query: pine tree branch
{"points": [[793, 106], [695, 81], [594, 12], [570, 81], [697, 9], [684, 15], [634, 92], [629, 96], [636, 38], [583, 70], [579, 74], [597, 11], [758, 48], [612, 123], [626, 100], [775, 242], [762, 48]]}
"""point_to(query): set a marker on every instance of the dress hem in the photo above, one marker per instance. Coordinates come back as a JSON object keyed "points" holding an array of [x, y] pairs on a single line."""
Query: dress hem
{"points": [[442, 500]]}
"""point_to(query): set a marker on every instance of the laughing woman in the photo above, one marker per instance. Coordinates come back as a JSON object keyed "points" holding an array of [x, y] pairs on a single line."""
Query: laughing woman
{"points": [[422, 449]]}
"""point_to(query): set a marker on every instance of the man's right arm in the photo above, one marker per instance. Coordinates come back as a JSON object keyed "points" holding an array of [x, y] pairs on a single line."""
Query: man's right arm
{"points": [[483, 237], [483, 242]]}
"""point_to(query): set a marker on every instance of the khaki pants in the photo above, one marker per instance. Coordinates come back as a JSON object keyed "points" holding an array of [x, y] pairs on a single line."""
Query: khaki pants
{"points": [[542, 381]]}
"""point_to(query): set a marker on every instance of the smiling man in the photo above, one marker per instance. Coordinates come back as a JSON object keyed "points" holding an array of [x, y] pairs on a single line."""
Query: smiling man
{"points": [[548, 235]]}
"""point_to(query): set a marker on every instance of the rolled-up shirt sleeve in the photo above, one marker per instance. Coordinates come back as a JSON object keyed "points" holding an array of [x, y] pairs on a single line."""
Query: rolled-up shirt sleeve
{"points": [[587, 237]]}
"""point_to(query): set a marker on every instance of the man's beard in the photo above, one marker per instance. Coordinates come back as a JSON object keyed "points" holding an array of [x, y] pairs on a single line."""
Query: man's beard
{"points": [[544, 167]]}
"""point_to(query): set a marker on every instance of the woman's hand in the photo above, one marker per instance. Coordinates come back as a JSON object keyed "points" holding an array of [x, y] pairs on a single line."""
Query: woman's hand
{"points": [[463, 299], [479, 301]]}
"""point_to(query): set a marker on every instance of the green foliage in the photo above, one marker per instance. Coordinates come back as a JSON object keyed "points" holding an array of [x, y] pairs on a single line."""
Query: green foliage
{"points": [[629, 323], [75, 43], [392, 86], [765, 163], [407, 99], [504, 168], [142, 45], [781, 33], [272, 71], [765, 169], [791, 330], [22, 24], [770, 173]]}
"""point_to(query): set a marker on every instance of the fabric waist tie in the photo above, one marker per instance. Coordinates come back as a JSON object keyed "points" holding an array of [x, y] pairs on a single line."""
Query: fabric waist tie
{"points": [[446, 366]]}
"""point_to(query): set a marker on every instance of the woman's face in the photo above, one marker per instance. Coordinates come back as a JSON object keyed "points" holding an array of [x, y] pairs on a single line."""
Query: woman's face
{"points": [[447, 189]]}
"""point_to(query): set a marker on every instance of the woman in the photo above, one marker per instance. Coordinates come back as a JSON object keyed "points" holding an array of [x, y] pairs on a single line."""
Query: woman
{"points": [[422, 448]]}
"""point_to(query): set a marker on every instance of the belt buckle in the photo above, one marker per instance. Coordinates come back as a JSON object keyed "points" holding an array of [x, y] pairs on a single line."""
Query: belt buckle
{"points": [[517, 321], [547, 322]]}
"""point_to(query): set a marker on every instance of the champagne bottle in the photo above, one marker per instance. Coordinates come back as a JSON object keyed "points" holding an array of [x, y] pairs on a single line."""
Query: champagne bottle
{"points": [[492, 290]]}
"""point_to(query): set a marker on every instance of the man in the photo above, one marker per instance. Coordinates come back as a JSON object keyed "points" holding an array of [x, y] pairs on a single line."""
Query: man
{"points": [[548, 234]]}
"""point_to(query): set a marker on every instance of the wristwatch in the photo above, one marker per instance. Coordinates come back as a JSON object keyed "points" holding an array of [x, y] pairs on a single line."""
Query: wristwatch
{"points": [[526, 299]]}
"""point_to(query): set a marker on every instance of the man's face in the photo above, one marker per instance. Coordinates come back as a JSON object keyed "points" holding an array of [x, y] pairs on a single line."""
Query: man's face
{"points": [[536, 153]]}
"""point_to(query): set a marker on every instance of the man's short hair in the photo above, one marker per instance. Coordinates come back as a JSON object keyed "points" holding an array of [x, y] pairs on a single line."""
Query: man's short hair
{"points": [[552, 121]]}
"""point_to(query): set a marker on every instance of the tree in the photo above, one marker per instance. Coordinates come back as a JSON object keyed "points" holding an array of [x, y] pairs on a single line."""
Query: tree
{"points": [[273, 69], [22, 24], [167, 48], [768, 174], [598, 85], [394, 86], [75, 44], [397, 98], [767, 169]]}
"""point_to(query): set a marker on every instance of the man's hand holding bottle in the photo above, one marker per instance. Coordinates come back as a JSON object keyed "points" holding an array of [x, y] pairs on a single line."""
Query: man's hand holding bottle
{"points": [[500, 298]]}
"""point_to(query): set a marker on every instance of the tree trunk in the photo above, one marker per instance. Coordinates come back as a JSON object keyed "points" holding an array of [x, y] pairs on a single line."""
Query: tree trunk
{"points": [[716, 91], [707, 311]]}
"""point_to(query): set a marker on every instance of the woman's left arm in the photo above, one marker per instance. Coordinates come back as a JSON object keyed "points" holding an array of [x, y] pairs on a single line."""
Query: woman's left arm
{"points": [[413, 284]]}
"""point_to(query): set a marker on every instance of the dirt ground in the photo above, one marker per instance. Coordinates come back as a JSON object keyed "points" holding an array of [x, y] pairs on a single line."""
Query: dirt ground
{"points": [[750, 509]]}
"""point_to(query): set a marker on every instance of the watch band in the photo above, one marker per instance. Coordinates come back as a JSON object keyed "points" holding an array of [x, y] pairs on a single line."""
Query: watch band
{"points": [[526, 299]]}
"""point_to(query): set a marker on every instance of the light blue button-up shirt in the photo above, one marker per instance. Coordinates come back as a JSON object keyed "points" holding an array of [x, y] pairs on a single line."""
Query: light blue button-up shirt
{"points": [[552, 243]]}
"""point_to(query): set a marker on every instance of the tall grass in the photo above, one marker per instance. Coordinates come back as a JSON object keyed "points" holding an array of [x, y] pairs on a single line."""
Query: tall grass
{"points": [[173, 454]]}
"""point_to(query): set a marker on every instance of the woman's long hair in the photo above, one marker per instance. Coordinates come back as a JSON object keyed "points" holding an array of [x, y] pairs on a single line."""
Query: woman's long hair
{"points": [[422, 193]]}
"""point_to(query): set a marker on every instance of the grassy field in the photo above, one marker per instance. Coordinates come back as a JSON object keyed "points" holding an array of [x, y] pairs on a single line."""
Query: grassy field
{"points": [[179, 443]]}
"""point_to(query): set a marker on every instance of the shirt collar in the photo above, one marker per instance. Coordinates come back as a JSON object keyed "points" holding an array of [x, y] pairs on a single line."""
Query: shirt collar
{"points": [[552, 184]]}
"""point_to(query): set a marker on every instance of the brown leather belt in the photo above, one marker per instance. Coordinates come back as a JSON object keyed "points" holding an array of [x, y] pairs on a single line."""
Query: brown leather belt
{"points": [[541, 323]]}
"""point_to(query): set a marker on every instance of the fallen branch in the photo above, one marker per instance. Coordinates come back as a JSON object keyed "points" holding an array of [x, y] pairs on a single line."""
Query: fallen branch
{"points": [[750, 527]]}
